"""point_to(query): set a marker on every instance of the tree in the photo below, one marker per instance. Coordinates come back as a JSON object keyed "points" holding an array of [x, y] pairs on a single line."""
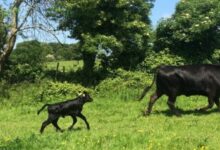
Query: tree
{"points": [[29, 52], [193, 31], [21, 16], [117, 30]]}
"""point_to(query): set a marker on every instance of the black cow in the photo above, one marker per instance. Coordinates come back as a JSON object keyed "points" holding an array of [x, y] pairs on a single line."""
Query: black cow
{"points": [[71, 108], [185, 80]]}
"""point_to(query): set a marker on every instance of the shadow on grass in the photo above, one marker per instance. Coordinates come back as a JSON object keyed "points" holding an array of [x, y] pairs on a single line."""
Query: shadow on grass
{"points": [[75, 129], [78, 76], [187, 112]]}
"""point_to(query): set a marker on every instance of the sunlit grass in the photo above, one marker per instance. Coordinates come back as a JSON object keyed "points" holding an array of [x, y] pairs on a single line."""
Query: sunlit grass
{"points": [[64, 65]]}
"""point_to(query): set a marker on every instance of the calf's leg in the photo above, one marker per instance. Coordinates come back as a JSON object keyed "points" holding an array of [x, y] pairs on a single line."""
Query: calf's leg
{"points": [[84, 119], [153, 99], [44, 124], [54, 122], [74, 122], [51, 118]]}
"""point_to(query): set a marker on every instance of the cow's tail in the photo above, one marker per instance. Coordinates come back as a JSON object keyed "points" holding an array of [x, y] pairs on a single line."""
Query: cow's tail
{"points": [[147, 88], [38, 112]]}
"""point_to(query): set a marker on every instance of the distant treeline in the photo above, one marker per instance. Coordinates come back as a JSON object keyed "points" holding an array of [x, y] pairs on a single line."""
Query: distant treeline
{"points": [[46, 51]]}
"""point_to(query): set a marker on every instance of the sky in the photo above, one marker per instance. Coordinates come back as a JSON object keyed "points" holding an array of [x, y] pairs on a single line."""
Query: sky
{"points": [[161, 9]]}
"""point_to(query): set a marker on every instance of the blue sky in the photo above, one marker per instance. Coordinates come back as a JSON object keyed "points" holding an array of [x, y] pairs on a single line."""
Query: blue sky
{"points": [[161, 9]]}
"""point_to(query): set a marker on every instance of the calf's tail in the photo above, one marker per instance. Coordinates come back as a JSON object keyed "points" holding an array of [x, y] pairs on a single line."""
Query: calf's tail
{"points": [[38, 112], [147, 88]]}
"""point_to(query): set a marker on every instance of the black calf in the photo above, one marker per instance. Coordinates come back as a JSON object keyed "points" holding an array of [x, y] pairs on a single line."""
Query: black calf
{"points": [[71, 108]]}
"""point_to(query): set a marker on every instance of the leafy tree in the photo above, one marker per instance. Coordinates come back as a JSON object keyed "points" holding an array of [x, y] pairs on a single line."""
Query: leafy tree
{"points": [[117, 31], [29, 52], [193, 31], [64, 51], [19, 17], [25, 63]]}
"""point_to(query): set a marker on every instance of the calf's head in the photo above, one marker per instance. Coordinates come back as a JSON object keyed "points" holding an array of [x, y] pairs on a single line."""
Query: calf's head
{"points": [[86, 97]]}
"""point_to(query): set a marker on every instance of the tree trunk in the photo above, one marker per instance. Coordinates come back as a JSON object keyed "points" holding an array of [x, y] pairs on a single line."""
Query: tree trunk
{"points": [[88, 63], [11, 35]]}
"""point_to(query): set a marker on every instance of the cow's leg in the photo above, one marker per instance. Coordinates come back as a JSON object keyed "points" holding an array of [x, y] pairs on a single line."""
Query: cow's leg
{"points": [[171, 103], [217, 102], [54, 122], [210, 104], [84, 118], [74, 122], [153, 99]]}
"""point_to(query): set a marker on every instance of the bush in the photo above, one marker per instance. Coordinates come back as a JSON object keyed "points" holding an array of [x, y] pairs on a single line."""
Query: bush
{"points": [[123, 84], [53, 91], [22, 72], [26, 62], [4, 89], [155, 59]]}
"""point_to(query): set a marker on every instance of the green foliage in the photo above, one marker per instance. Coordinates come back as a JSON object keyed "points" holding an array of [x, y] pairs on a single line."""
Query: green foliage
{"points": [[64, 51], [26, 63], [155, 59], [119, 28], [29, 52], [4, 89], [216, 56], [123, 84], [105, 48], [53, 91], [22, 72], [193, 30]]}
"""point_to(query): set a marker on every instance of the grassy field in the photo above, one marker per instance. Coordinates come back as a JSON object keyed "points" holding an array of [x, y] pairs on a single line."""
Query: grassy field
{"points": [[115, 118], [68, 65], [115, 124]]}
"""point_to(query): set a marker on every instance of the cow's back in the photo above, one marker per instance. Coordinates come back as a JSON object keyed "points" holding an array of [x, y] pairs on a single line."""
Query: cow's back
{"points": [[188, 79]]}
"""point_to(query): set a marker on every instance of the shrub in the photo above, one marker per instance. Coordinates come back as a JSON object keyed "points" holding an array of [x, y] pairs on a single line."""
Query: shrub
{"points": [[57, 90], [155, 59], [124, 84], [4, 89], [26, 62]]}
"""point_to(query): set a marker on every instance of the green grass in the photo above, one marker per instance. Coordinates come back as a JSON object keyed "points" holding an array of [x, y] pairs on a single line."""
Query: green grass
{"points": [[116, 124], [68, 65]]}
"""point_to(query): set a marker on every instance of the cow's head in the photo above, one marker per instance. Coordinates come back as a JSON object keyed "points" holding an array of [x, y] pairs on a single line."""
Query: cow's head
{"points": [[86, 97]]}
